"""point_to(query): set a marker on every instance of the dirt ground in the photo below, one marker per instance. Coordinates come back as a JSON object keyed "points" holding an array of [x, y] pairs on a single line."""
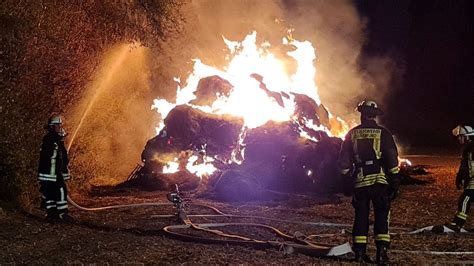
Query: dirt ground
{"points": [[133, 235]]}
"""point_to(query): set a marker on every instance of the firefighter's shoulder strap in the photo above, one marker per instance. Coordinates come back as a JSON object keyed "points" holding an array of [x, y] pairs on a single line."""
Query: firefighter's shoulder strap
{"points": [[367, 149], [366, 143]]}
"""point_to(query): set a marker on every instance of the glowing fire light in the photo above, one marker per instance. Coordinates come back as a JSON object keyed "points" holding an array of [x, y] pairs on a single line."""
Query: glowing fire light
{"points": [[171, 167], [203, 168], [404, 162], [247, 99], [255, 74]]}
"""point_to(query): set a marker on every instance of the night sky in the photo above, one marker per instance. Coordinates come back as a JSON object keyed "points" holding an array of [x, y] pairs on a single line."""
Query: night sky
{"points": [[432, 45]]}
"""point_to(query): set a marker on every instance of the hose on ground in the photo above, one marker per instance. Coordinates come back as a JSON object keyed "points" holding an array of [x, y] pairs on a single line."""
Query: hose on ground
{"points": [[306, 247], [144, 204], [302, 245]]}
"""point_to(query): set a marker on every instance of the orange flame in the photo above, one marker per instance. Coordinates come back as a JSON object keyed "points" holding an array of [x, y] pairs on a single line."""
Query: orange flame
{"points": [[249, 68]]}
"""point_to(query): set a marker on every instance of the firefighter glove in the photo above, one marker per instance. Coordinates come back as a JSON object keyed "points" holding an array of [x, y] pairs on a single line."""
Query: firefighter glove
{"points": [[392, 193]]}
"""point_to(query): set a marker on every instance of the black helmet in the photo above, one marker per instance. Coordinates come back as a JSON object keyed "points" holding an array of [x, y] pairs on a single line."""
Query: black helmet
{"points": [[369, 108]]}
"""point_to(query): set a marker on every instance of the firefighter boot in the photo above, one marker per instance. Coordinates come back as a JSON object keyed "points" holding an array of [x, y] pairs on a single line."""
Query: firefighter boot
{"points": [[382, 257], [52, 215], [453, 226], [66, 218], [361, 255]]}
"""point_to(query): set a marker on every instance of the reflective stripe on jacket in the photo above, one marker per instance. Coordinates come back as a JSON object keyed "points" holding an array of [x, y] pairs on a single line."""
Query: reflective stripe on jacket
{"points": [[466, 168], [53, 162], [369, 150]]}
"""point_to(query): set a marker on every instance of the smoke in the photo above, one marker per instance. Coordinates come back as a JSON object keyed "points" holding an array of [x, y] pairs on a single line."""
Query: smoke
{"points": [[336, 31], [206, 23], [344, 78], [115, 130]]}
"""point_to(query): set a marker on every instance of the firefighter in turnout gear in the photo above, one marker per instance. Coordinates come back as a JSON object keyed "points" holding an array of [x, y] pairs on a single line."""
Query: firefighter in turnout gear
{"points": [[369, 163], [465, 176], [53, 171]]}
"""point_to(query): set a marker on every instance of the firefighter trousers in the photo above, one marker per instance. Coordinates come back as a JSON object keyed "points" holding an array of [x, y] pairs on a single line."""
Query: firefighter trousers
{"points": [[464, 204], [54, 197], [378, 194]]}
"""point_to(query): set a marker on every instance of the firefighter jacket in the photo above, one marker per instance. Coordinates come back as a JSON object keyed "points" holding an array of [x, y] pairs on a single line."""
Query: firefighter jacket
{"points": [[53, 162], [370, 153], [466, 169]]}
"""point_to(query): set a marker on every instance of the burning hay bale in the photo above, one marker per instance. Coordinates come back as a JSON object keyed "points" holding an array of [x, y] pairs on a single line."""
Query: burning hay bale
{"points": [[238, 163], [209, 89], [407, 171], [189, 129], [308, 109], [160, 181], [275, 134], [189, 137], [277, 157], [285, 161]]}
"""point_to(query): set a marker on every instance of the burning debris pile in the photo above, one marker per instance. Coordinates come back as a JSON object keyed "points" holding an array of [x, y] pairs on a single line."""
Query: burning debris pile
{"points": [[408, 170], [246, 130]]}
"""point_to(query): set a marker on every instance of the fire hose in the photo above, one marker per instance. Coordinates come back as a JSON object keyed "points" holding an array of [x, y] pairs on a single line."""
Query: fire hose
{"points": [[301, 246], [73, 203], [299, 243]]}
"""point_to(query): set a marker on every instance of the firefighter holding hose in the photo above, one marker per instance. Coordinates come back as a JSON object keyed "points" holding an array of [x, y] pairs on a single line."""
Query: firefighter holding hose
{"points": [[465, 176], [53, 172], [369, 164]]}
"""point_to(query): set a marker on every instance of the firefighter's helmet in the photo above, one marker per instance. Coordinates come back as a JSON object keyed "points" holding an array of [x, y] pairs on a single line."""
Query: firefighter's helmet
{"points": [[463, 131], [369, 108], [55, 120]]}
